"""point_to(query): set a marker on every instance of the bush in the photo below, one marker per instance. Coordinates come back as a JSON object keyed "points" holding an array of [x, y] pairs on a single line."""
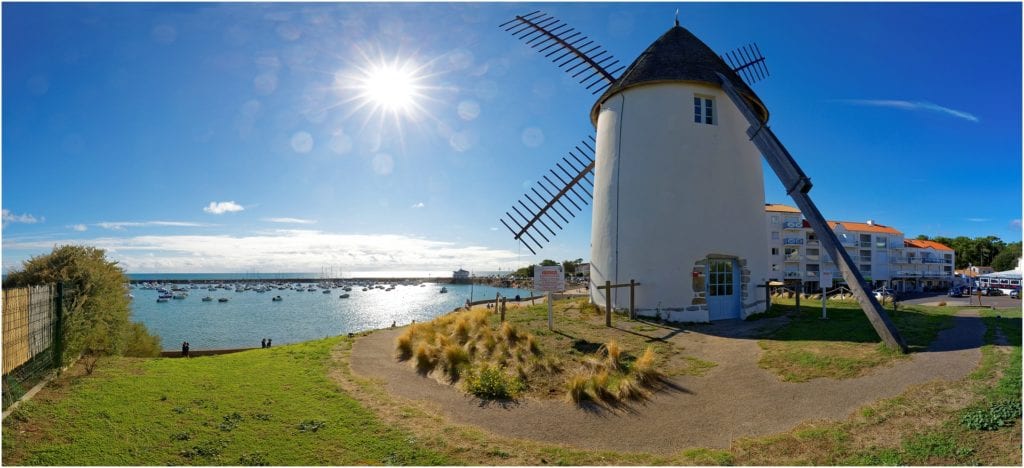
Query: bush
{"points": [[614, 353], [629, 389], [425, 361], [576, 388], [644, 369], [455, 357], [491, 383], [403, 344], [97, 316]]}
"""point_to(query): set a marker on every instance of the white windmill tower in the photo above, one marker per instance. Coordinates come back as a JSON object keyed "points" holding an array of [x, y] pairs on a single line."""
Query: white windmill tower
{"points": [[677, 185]]}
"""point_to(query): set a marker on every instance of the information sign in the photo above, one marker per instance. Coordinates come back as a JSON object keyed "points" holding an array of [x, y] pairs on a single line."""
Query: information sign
{"points": [[548, 278]]}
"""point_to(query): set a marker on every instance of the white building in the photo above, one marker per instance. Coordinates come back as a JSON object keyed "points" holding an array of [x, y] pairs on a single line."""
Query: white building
{"points": [[880, 252], [675, 174], [460, 276]]}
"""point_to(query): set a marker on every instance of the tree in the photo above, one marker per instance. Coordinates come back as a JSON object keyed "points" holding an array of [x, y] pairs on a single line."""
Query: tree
{"points": [[548, 262], [1007, 258], [96, 321]]}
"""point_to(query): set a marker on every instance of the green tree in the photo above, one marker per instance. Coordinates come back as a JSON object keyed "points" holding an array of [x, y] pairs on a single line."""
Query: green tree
{"points": [[548, 262], [96, 321], [1007, 258]]}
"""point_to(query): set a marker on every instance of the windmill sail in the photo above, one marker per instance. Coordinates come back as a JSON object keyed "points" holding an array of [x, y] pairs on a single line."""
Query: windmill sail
{"points": [[748, 63], [564, 184], [797, 185], [593, 66]]}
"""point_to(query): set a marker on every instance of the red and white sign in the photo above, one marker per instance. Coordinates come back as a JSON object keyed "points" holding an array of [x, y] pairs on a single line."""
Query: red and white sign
{"points": [[548, 278]]}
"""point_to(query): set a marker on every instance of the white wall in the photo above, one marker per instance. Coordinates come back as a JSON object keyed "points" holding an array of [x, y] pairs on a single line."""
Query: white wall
{"points": [[669, 192]]}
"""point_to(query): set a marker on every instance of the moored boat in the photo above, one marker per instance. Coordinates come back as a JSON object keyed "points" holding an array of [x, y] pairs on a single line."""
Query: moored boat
{"points": [[207, 299]]}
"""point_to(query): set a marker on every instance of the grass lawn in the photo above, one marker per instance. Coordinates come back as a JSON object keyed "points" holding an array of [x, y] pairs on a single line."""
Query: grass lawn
{"points": [[301, 405], [845, 345], [275, 406]]}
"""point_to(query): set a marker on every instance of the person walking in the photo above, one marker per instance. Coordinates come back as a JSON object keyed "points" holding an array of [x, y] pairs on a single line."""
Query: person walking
{"points": [[184, 349], [268, 342], [263, 343]]}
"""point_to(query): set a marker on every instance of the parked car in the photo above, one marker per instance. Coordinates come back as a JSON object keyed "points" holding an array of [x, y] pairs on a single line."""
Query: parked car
{"points": [[956, 292], [991, 292], [885, 293], [1015, 294]]}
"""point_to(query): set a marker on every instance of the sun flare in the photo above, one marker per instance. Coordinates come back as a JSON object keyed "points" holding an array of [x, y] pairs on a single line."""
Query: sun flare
{"points": [[391, 88]]}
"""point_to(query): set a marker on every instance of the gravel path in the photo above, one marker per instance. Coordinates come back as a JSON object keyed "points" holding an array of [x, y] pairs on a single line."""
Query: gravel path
{"points": [[735, 399]]}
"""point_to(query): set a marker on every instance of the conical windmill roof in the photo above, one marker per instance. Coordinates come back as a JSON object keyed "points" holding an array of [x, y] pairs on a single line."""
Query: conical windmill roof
{"points": [[678, 55]]}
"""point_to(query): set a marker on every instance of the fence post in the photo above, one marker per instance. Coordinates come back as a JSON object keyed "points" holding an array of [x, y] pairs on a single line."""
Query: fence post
{"points": [[58, 328], [607, 303], [799, 289], [503, 308], [632, 301]]}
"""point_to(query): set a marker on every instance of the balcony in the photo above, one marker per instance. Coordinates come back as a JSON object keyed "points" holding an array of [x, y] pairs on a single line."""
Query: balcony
{"points": [[846, 242], [812, 242], [812, 274], [865, 244], [812, 258], [865, 260], [792, 241], [792, 225], [896, 260], [933, 260], [791, 258], [792, 274]]}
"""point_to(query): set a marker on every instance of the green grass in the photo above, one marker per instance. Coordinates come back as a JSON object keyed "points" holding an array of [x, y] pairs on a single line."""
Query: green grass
{"points": [[845, 345], [274, 406]]}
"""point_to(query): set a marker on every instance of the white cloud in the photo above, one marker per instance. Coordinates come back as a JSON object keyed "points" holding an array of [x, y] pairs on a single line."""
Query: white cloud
{"points": [[281, 250], [120, 225], [79, 227], [290, 220], [222, 207], [9, 218], [911, 105], [418, 205]]}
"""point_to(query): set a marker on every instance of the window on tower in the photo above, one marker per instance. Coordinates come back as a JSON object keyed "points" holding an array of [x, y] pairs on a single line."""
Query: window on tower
{"points": [[704, 109]]}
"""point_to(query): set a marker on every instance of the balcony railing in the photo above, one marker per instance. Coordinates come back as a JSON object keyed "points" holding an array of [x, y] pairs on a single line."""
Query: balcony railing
{"points": [[812, 274], [933, 260], [865, 244], [898, 260], [812, 258], [792, 274], [792, 258], [792, 225], [792, 241]]}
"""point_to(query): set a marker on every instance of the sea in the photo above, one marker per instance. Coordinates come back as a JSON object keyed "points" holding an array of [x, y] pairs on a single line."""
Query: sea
{"points": [[249, 316]]}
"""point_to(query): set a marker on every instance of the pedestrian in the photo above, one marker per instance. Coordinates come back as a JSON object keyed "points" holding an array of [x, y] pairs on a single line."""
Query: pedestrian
{"points": [[184, 349], [394, 323], [263, 343], [268, 342]]}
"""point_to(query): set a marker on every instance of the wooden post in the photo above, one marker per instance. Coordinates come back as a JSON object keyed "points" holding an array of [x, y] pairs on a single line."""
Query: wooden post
{"points": [[767, 295], [502, 308], [496, 297], [58, 328], [799, 289], [632, 300], [607, 303]]}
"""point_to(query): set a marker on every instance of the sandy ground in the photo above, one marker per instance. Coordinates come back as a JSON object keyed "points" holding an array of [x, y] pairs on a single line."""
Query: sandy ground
{"points": [[735, 399]]}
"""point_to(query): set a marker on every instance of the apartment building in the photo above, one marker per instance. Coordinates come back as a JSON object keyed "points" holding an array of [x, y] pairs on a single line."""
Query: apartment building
{"points": [[880, 252]]}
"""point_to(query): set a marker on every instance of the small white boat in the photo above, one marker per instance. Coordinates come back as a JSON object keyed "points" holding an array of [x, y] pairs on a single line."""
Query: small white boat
{"points": [[179, 296], [443, 289], [277, 299], [207, 299], [326, 291]]}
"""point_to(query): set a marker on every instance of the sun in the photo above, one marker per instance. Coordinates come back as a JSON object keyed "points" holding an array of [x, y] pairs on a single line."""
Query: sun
{"points": [[392, 88]]}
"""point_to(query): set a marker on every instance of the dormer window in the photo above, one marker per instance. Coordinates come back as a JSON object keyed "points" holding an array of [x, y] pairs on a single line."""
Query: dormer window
{"points": [[703, 109]]}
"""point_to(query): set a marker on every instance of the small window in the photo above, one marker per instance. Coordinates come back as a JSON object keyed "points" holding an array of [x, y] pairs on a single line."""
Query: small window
{"points": [[775, 235], [704, 110], [775, 220], [775, 250]]}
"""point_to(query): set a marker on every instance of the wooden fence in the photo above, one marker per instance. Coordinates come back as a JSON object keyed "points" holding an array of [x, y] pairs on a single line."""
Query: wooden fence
{"points": [[28, 324]]}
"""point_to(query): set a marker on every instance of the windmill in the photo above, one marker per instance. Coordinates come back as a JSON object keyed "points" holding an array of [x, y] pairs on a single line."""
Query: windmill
{"points": [[674, 182]]}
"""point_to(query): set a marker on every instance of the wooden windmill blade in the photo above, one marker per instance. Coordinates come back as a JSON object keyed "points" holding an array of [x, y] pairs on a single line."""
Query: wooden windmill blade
{"points": [[748, 63], [797, 185], [572, 51], [570, 174]]}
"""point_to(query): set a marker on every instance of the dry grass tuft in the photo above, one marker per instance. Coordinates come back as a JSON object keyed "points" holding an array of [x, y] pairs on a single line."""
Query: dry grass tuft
{"points": [[630, 389], [614, 353], [403, 344], [425, 360], [644, 368], [462, 327], [599, 381], [454, 359], [531, 344], [577, 388], [509, 332]]}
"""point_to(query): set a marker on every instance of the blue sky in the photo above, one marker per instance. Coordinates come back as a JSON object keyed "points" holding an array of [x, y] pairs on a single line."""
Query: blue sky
{"points": [[238, 137]]}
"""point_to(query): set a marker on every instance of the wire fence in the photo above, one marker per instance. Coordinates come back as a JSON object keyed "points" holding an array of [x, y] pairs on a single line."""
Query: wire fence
{"points": [[32, 337]]}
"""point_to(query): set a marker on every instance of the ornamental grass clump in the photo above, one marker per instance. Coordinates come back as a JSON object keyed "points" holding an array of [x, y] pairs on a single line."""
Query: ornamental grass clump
{"points": [[629, 389], [425, 360], [614, 353], [644, 368], [576, 387], [454, 358], [403, 344]]}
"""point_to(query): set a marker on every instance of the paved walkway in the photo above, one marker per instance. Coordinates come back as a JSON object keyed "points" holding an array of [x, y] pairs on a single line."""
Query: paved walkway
{"points": [[735, 399]]}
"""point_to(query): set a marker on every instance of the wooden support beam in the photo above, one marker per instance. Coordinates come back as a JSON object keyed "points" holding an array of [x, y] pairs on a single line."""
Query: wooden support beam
{"points": [[797, 185]]}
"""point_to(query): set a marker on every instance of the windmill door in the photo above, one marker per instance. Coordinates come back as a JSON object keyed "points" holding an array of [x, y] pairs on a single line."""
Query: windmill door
{"points": [[723, 289]]}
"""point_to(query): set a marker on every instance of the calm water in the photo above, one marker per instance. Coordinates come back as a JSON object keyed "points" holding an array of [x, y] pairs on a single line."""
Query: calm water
{"points": [[250, 316]]}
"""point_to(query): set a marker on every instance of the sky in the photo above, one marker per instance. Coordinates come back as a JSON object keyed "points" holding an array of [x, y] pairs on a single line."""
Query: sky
{"points": [[391, 137]]}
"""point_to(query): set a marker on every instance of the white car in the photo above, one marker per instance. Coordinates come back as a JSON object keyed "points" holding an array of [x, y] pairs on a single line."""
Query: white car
{"points": [[883, 293]]}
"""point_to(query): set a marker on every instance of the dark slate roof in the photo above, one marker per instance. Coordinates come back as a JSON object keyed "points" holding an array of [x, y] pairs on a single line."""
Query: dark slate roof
{"points": [[678, 55]]}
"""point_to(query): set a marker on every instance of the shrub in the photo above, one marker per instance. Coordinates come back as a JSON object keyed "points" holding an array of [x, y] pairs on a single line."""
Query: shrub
{"points": [[600, 384], [461, 331], [491, 383], [941, 304], [644, 368], [140, 343]]}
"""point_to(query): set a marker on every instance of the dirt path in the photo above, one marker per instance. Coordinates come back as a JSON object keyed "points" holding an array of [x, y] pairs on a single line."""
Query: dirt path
{"points": [[735, 399]]}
